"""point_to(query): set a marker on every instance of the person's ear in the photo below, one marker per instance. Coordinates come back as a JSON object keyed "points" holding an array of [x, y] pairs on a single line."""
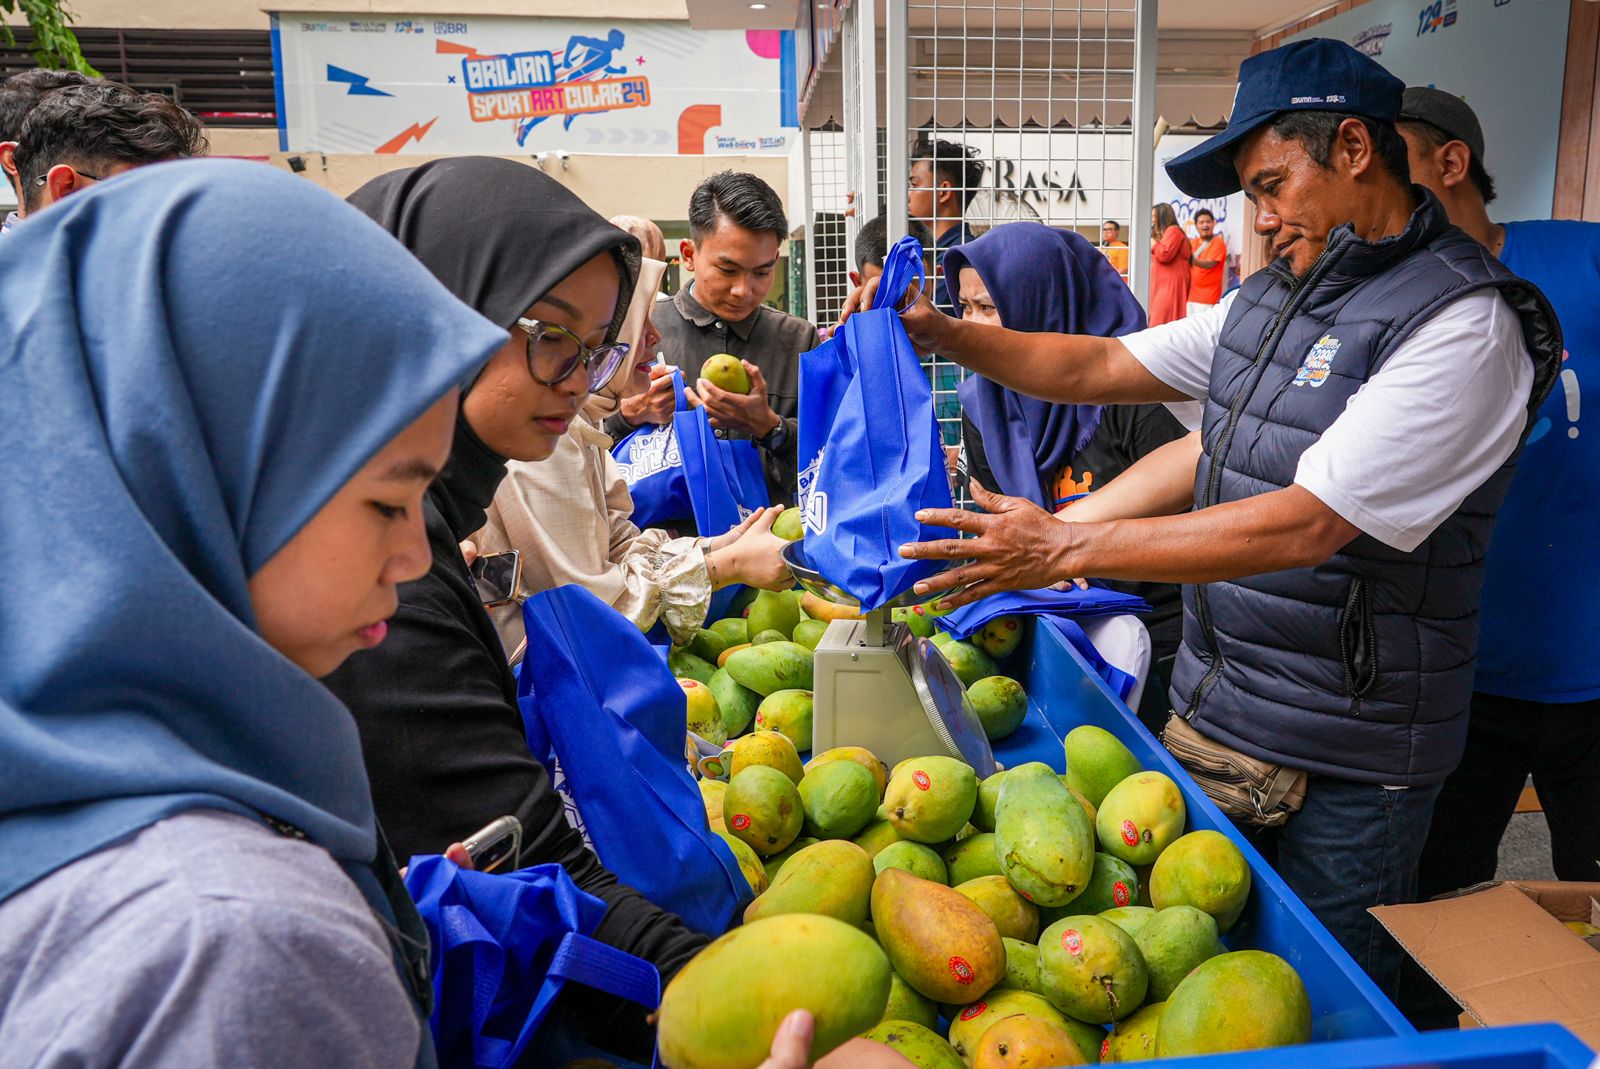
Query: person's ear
{"points": [[686, 255], [1353, 149], [8, 158], [947, 194], [1454, 160], [60, 181]]}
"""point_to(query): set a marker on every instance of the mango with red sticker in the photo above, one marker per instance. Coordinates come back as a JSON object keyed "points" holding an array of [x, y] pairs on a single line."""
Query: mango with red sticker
{"points": [[762, 808], [968, 1024], [940, 941], [1140, 817], [1000, 638], [930, 799], [1091, 969]]}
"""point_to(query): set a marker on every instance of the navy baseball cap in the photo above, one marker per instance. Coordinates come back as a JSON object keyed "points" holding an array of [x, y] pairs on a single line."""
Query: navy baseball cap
{"points": [[1316, 75]]}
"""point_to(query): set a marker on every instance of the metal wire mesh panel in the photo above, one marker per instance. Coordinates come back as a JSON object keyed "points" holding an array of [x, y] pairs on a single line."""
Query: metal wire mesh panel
{"points": [[827, 236]]}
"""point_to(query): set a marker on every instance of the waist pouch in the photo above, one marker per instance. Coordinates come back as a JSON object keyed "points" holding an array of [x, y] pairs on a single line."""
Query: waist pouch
{"points": [[1246, 788]]}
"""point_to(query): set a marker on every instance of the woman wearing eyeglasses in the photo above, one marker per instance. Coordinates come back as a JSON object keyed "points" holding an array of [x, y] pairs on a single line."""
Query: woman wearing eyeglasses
{"points": [[436, 703]]}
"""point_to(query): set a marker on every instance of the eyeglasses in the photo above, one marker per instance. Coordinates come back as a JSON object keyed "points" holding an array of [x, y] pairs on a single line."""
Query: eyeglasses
{"points": [[554, 353], [80, 173]]}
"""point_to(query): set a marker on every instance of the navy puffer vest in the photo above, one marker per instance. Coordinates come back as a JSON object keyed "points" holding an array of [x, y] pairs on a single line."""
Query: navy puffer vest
{"points": [[1362, 666]]}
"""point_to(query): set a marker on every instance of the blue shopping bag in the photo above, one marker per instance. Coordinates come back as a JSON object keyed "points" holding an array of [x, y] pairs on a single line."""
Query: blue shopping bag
{"points": [[870, 451], [503, 947], [603, 713], [1083, 604]]}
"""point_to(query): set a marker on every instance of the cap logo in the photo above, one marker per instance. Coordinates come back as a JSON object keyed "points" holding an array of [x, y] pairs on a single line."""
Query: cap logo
{"points": [[1331, 98]]}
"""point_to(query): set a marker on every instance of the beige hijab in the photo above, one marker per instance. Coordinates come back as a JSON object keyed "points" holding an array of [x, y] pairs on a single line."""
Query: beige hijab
{"points": [[607, 399]]}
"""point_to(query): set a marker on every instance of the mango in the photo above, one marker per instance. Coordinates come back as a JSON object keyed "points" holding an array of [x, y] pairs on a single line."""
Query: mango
{"points": [[917, 1043], [1088, 806], [1023, 1042], [1012, 914], [969, 663], [761, 638], [726, 372], [1092, 970], [723, 1008], [969, 1023], [1246, 1000], [789, 526], [918, 622], [773, 611], [988, 798], [999, 638], [1142, 816], [798, 596], [722, 661], [915, 858], [1206, 870], [749, 864], [877, 836], [775, 863], [833, 878], [742, 601], [1134, 1039], [702, 712], [941, 639], [762, 807], [686, 665], [767, 748], [906, 1003], [931, 798], [940, 941], [839, 798], [808, 633], [1582, 928], [1097, 761], [1022, 966], [787, 712], [861, 756], [1130, 919], [771, 667], [1042, 838], [711, 792], [738, 704], [735, 630], [707, 645], [1173, 942], [1112, 884], [827, 611], [967, 859], [1001, 705]]}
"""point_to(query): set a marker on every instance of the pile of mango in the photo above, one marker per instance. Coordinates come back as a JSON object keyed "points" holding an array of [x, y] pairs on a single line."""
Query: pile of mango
{"points": [[999, 700], [1030, 919]]}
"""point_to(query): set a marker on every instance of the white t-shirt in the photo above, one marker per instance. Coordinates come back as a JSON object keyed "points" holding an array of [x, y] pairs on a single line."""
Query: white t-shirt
{"points": [[1441, 415]]}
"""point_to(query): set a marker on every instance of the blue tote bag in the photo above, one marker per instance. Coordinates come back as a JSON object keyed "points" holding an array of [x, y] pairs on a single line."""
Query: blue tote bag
{"points": [[503, 947], [604, 714], [870, 450]]}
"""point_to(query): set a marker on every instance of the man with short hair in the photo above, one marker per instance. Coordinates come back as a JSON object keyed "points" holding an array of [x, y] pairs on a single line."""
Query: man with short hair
{"points": [[736, 225], [944, 178], [1366, 397], [82, 134], [1207, 261], [1114, 247], [18, 95], [1536, 700], [872, 245]]}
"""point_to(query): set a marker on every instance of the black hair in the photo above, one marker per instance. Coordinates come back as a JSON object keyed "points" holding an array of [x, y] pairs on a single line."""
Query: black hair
{"points": [[1437, 138], [1316, 131], [20, 92], [957, 164], [91, 126], [872, 243], [1207, 212], [741, 198], [1113, 222]]}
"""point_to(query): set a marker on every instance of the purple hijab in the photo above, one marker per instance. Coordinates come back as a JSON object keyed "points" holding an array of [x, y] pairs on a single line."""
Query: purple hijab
{"points": [[1040, 279]]}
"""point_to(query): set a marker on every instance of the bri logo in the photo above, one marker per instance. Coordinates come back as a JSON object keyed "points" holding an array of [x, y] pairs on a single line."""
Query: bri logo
{"points": [[650, 454], [813, 502], [1314, 368]]}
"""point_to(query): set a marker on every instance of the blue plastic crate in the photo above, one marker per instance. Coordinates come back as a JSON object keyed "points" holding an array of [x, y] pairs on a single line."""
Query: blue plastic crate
{"points": [[1527, 1046], [1064, 693]]}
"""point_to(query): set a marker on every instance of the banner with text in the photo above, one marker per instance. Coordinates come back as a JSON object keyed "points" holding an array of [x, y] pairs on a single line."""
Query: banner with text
{"points": [[506, 85]]}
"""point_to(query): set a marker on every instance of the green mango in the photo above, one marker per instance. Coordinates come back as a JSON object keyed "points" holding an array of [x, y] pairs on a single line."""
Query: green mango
{"points": [[916, 1043], [707, 645], [776, 862], [1012, 914], [988, 798], [762, 808], [969, 1023], [787, 712], [1134, 1039], [1092, 969], [877, 835], [969, 663], [969, 858], [774, 611], [1246, 1000], [1130, 919], [1001, 705], [788, 526], [999, 638], [1097, 761], [761, 638], [839, 798], [750, 866], [1022, 966], [915, 858], [808, 633], [906, 1003], [941, 638], [738, 704], [771, 667], [686, 665], [799, 602], [1173, 943], [742, 601], [1042, 837], [918, 622], [833, 878], [930, 799], [1202, 869], [1113, 884], [735, 631], [702, 713]]}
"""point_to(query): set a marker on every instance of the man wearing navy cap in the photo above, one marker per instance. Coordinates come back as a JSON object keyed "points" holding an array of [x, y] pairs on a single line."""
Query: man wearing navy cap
{"points": [[1366, 397]]}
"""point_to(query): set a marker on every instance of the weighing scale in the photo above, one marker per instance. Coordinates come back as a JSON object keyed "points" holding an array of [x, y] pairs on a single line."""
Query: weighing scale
{"points": [[879, 686]]}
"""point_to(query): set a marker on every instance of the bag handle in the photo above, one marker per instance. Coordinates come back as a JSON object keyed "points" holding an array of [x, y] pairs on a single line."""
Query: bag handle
{"points": [[680, 399], [903, 263], [605, 968]]}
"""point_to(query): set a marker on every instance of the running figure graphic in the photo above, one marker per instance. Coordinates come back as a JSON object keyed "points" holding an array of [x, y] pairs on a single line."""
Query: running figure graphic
{"points": [[584, 59]]}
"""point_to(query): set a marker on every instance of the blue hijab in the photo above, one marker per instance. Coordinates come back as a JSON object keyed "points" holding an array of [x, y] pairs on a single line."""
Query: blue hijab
{"points": [[1041, 280], [193, 358]]}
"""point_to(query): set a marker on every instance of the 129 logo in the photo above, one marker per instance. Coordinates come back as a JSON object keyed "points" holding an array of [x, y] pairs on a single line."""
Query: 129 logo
{"points": [[1436, 16]]}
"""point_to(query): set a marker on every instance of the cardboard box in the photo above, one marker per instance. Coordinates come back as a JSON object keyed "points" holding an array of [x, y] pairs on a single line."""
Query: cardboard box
{"points": [[1502, 951]]}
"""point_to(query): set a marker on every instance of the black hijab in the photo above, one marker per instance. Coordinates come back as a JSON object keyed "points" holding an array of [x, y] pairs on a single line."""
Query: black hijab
{"points": [[500, 235]]}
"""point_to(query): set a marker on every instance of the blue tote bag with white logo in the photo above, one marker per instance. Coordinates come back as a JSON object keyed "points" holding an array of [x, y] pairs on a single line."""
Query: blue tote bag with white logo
{"points": [[870, 450]]}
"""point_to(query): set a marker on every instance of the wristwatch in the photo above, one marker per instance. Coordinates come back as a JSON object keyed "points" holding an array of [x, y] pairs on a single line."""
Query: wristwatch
{"points": [[776, 438]]}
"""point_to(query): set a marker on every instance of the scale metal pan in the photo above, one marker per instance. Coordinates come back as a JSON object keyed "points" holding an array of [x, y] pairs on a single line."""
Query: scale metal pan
{"points": [[794, 555]]}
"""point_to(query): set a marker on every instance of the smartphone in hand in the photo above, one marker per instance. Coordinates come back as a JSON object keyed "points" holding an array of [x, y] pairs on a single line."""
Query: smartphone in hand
{"points": [[496, 576], [494, 844]]}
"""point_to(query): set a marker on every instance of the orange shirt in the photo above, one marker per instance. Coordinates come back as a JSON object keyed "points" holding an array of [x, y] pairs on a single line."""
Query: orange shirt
{"points": [[1205, 286], [1117, 253]]}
